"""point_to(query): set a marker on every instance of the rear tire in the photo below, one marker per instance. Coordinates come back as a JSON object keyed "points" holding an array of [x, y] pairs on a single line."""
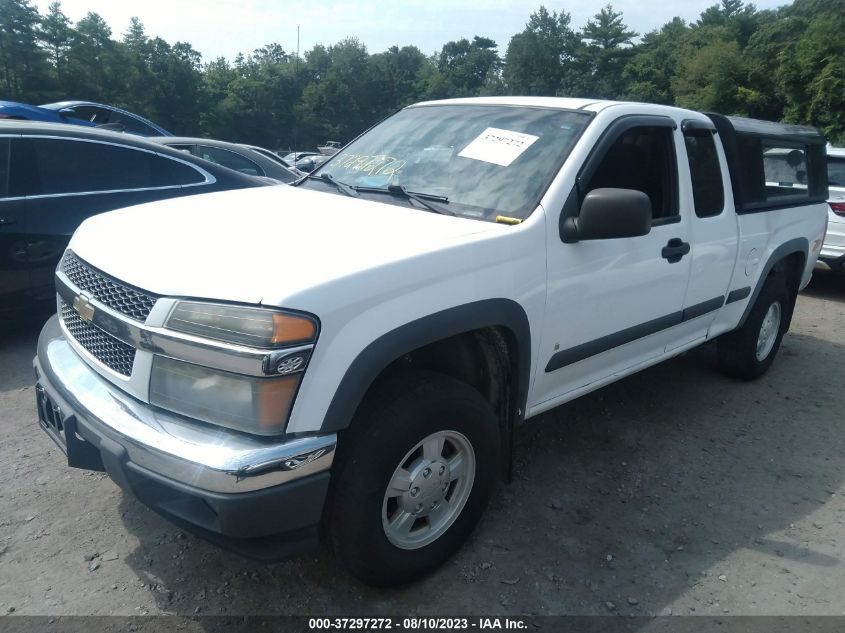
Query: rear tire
{"points": [[414, 473], [748, 352]]}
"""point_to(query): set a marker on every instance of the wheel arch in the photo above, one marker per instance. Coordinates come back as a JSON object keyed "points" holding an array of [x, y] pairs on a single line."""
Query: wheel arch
{"points": [[503, 316], [791, 258]]}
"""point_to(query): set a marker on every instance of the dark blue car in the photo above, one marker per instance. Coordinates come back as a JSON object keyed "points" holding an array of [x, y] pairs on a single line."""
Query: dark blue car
{"points": [[86, 113]]}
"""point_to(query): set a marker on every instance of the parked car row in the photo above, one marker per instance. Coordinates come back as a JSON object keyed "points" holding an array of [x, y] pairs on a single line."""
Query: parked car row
{"points": [[52, 177], [247, 160]]}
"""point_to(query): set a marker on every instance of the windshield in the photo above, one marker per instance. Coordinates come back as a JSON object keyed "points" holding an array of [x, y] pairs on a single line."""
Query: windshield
{"points": [[480, 161]]}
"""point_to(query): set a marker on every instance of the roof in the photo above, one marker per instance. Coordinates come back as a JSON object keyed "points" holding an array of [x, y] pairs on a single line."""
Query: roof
{"points": [[592, 106], [58, 105], [567, 103], [190, 140], [14, 127], [768, 128]]}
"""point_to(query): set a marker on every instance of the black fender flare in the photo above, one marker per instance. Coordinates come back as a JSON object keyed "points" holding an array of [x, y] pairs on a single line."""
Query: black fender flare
{"points": [[376, 356], [797, 245]]}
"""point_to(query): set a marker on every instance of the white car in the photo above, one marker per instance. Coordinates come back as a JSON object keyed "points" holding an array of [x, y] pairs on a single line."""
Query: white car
{"points": [[833, 251]]}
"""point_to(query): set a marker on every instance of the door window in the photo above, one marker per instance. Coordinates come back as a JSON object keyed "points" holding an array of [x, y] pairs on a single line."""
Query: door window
{"points": [[229, 159], [65, 166], [707, 190], [92, 114], [173, 173], [132, 125], [643, 159], [73, 166]]}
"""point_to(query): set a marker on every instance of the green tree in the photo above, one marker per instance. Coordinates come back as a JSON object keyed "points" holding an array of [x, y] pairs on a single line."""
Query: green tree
{"points": [[606, 46], [94, 68], [811, 70], [714, 70], [56, 36], [711, 79], [465, 68], [739, 18], [139, 81], [340, 103], [648, 74], [23, 64], [396, 77], [535, 59], [175, 102]]}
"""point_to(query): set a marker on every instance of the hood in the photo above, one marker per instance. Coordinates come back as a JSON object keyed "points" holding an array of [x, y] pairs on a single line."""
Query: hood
{"points": [[262, 245]]}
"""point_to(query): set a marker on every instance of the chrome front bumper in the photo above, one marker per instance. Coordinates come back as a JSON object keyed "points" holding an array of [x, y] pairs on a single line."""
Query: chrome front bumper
{"points": [[195, 454]]}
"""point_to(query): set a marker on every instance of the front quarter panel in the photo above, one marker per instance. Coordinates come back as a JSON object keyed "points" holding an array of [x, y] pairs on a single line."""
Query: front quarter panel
{"points": [[371, 318]]}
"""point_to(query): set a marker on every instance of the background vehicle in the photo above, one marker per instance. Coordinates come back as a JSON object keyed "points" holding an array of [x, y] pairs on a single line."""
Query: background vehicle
{"points": [[833, 251], [84, 113], [329, 148], [459, 268], [232, 155], [273, 156], [292, 157], [52, 177], [306, 161]]}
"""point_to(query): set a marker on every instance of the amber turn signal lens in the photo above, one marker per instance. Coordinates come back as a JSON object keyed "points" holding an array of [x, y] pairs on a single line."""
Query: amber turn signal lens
{"points": [[255, 327], [291, 329]]}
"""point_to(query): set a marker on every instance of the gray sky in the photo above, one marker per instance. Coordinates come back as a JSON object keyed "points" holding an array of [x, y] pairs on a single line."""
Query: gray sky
{"points": [[225, 27]]}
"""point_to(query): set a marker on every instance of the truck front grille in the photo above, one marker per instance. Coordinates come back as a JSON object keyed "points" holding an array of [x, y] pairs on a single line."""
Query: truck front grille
{"points": [[111, 292], [114, 354]]}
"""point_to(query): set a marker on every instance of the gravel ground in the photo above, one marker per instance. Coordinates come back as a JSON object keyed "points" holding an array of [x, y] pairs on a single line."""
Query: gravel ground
{"points": [[673, 491]]}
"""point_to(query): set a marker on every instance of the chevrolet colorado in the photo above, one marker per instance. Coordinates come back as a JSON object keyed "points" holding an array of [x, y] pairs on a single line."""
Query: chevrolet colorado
{"points": [[349, 357]]}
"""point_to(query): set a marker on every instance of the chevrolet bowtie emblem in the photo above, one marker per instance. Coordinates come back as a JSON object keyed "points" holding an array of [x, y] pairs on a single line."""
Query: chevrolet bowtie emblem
{"points": [[83, 307]]}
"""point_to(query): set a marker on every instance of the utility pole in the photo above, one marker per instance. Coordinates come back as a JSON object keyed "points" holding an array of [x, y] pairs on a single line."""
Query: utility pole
{"points": [[296, 75]]}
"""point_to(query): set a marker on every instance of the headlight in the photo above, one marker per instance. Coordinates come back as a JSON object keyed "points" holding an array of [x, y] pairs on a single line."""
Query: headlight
{"points": [[245, 403], [253, 327]]}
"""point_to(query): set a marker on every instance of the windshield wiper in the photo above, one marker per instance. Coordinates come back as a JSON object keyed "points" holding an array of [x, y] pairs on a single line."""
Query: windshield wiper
{"points": [[419, 197], [337, 184]]}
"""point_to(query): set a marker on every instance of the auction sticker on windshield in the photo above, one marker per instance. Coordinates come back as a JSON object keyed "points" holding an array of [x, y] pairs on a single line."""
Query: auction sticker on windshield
{"points": [[497, 146]]}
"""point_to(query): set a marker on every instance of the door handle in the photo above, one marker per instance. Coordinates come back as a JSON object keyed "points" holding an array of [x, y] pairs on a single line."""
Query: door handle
{"points": [[7, 221], [674, 250]]}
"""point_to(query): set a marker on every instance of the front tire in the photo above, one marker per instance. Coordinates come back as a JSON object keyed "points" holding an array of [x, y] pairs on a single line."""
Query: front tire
{"points": [[413, 476], [749, 351]]}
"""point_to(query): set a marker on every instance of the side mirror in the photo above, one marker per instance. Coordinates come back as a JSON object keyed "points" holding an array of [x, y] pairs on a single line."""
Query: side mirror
{"points": [[608, 214]]}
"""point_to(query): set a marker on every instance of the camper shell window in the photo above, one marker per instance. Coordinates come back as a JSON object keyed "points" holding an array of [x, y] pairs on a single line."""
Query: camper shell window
{"points": [[773, 165]]}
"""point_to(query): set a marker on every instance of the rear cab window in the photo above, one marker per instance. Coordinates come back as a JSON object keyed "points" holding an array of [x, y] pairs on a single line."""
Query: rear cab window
{"points": [[773, 165]]}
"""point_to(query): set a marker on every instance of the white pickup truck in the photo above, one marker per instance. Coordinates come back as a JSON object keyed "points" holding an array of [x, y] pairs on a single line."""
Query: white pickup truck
{"points": [[349, 357]]}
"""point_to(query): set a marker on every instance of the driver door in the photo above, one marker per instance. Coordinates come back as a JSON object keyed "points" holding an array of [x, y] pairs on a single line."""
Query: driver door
{"points": [[613, 304]]}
